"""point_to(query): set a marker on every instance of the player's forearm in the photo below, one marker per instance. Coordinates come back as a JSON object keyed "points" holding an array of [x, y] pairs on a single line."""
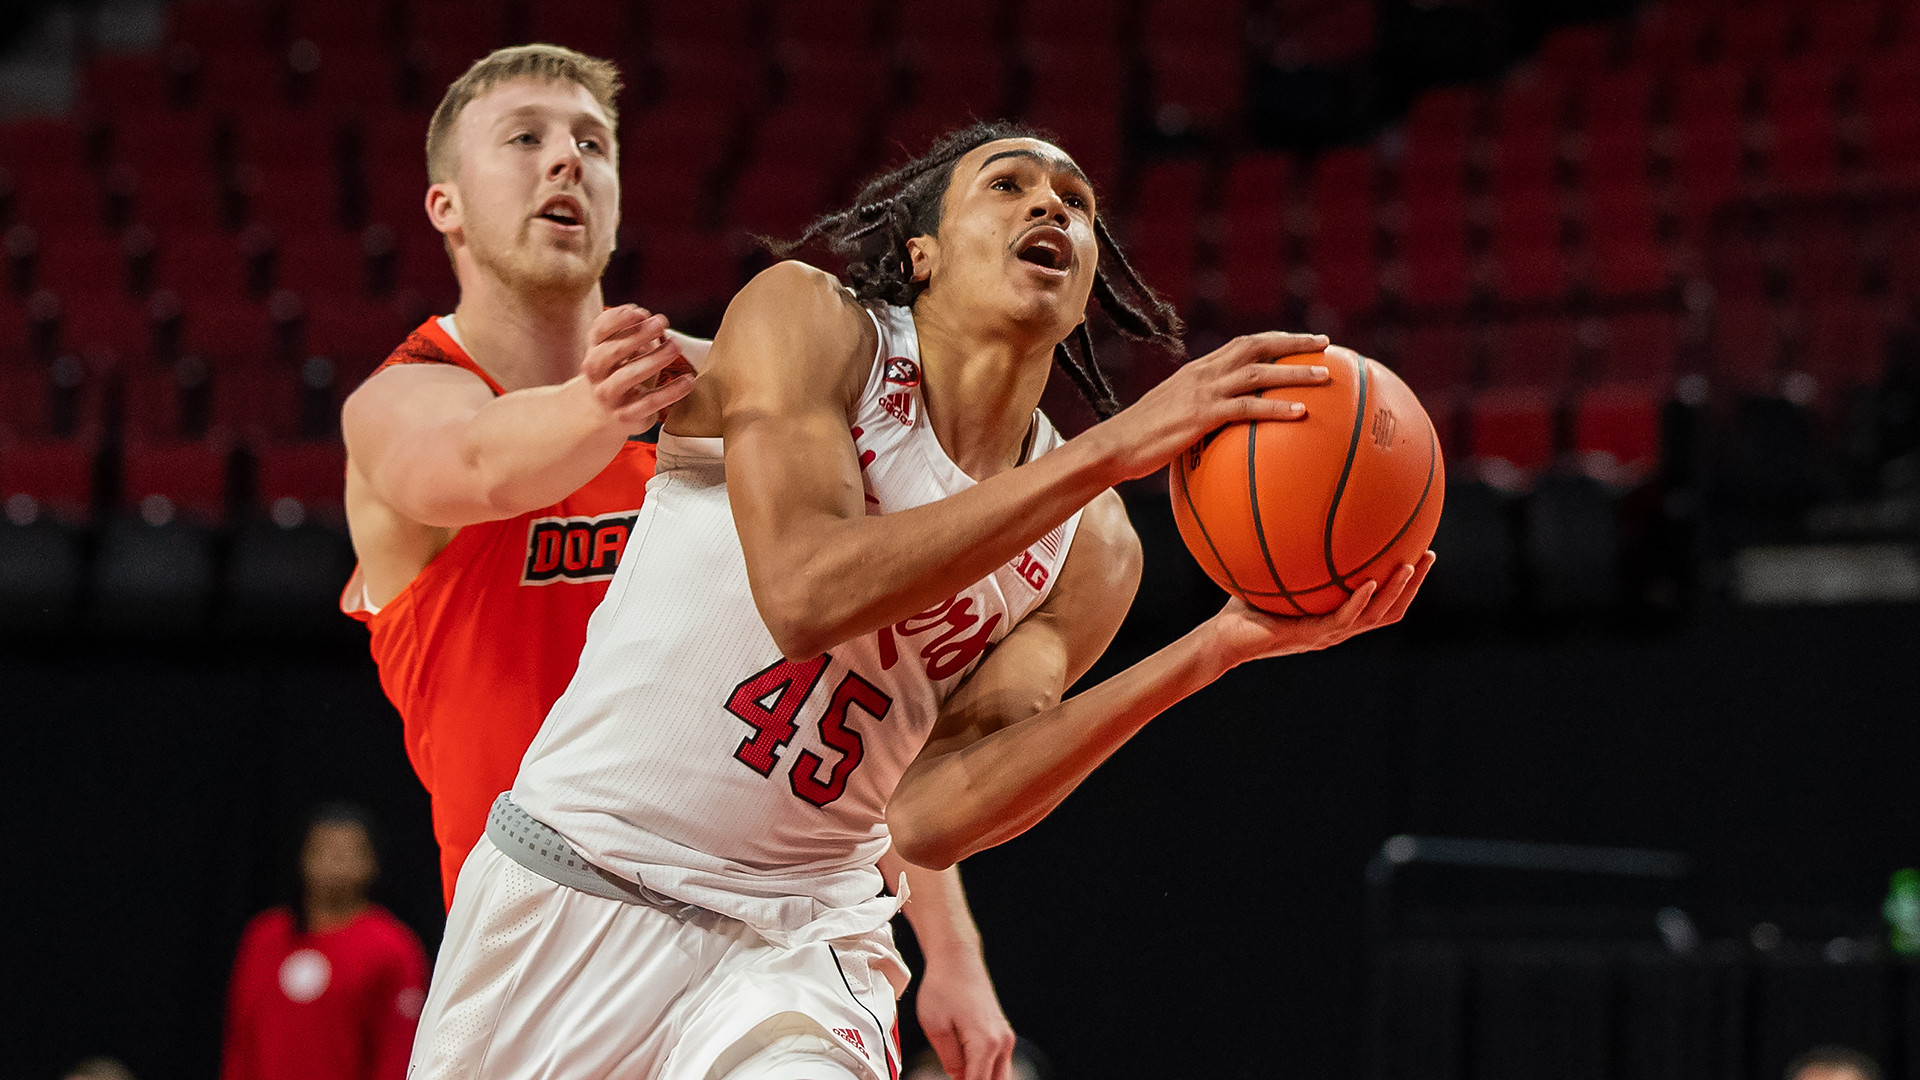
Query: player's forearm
{"points": [[937, 907], [998, 787], [528, 449], [833, 579]]}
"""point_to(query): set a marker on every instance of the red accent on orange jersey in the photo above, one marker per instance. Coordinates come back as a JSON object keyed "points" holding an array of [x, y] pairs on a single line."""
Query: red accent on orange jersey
{"points": [[481, 643]]}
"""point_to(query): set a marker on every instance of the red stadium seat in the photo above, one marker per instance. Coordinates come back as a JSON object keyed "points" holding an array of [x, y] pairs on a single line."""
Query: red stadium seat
{"points": [[202, 266], [1258, 184], [57, 474], [191, 475], [812, 136], [1195, 82], [940, 26], [1641, 347], [720, 23], [1077, 77], [1803, 155], [1622, 422], [595, 27], [1344, 187], [830, 24], [1759, 33], [1217, 26], [1531, 273], [1580, 51], [1524, 162], [1843, 29], [1708, 167], [1667, 36], [1438, 278], [958, 80], [1746, 345], [321, 262], [778, 199], [1164, 228], [1846, 344], [1346, 278], [242, 80], [1627, 265], [832, 75], [707, 75], [1095, 22], [1435, 357], [1531, 352], [115, 83], [684, 271], [311, 472], [293, 199], [1514, 426], [1091, 136]]}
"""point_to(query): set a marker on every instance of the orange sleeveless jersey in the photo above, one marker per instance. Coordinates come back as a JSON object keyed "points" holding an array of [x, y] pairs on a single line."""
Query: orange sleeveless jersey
{"points": [[478, 646]]}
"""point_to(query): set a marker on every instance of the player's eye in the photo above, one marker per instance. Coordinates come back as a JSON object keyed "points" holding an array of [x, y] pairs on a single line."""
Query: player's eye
{"points": [[1075, 201], [1004, 183], [525, 138], [591, 146]]}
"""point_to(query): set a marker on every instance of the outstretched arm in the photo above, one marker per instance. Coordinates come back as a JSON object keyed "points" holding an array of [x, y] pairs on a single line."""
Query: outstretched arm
{"points": [[788, 364], [959, 1012], [436, 446], [1007, 749]]}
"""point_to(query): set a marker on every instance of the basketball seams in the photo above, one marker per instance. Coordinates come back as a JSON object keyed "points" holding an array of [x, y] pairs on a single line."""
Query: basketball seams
{"points": [[1259, 526], [1433, 458], [1361, 386]]}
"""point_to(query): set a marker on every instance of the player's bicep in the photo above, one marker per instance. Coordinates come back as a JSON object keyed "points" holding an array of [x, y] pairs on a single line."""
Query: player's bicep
{"points": [[1031, 668], [402, 428], [785, 368]]}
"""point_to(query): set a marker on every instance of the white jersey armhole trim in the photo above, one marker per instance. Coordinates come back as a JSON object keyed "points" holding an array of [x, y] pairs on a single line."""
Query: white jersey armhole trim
{"points": [[447, 324]]}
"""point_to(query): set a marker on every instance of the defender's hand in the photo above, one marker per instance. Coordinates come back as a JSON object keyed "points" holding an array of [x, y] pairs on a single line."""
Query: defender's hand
{"points": [[634, 369], [961, 1017], [1243, 633], [1219, 388]]}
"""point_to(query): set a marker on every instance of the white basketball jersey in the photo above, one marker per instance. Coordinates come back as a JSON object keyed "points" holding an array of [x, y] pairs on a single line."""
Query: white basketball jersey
{"points": [[688, 754]]}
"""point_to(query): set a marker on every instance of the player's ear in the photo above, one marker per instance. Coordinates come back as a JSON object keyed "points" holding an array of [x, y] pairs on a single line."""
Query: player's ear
{"points": [[924, 251], [443, 207]]}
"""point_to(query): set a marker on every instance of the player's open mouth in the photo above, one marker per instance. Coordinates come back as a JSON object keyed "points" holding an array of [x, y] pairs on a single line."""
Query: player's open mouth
{"points": [[563, 210], [1046, 247]]}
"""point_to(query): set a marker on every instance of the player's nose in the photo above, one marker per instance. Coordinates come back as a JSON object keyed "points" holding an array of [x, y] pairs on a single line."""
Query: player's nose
{"points": [[566, 164], [1047, 204]]}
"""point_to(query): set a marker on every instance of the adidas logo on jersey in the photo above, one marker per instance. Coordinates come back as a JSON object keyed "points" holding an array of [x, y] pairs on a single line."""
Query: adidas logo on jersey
{"points": [[899, 406], [576, 549], [852, 1035]]}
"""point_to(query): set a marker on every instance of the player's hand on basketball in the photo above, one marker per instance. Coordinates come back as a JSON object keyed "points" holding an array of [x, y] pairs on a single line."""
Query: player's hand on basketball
{"points": [[1247, 633], [633, 368], [961, 1016], [1219, 388]]}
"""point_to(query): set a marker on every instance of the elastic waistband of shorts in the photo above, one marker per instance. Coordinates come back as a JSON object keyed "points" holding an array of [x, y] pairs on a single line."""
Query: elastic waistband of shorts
{"points": [[526, 840]]}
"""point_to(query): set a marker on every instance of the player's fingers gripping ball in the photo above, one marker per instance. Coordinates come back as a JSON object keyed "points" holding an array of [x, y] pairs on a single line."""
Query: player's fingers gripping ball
{"points": [[1292, 517]]}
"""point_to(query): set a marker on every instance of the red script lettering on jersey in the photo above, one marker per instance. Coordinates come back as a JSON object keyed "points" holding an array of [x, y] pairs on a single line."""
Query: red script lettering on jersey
{"points": [[948, 653]]}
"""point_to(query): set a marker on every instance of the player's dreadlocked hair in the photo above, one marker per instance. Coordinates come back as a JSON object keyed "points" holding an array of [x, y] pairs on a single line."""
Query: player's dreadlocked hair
{"points": [[894, 207]]}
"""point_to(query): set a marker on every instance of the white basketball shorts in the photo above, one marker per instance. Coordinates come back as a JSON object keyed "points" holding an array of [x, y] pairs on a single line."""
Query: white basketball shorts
{"points": [[535, 979]]}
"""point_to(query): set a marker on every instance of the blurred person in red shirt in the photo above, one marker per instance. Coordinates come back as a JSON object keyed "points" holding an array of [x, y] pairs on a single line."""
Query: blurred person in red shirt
{"points": [[330, 987]]}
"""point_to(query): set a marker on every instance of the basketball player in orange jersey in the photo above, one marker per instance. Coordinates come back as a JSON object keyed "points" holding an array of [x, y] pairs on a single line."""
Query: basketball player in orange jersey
{"points": [[864, 578], [493, 483]]}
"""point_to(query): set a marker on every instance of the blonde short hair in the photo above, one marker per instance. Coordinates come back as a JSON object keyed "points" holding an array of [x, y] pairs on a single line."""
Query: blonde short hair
{"points": [[553, 63]]}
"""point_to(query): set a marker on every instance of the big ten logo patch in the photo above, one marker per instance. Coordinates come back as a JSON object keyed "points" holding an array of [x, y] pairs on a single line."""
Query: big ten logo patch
{"points": [[1030, 568], [576, 549], [955, 636]]}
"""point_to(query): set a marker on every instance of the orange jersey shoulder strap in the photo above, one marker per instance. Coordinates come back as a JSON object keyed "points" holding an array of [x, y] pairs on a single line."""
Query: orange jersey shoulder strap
{"points": [[431, 344]]}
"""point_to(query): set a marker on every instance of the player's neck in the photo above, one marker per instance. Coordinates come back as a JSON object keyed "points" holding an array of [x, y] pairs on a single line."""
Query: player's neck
{"points": [[524, 338], [980, 390], [327, 913]]}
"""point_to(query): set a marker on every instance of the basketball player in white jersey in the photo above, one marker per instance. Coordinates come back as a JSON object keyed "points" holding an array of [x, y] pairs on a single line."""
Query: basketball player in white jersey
{"points": [[872, 571], [524, 156]]}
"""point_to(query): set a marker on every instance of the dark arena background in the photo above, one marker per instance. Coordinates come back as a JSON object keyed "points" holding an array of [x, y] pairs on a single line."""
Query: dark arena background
{"points": [[1620, 800]]}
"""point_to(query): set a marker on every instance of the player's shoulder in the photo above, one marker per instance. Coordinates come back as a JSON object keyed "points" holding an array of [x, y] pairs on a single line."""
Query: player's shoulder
{"points": [[804, 299], [1106, 534], [275, 923], [792, 331]]}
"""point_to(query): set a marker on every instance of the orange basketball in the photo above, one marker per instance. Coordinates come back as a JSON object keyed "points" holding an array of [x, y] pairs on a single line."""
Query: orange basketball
{"points": [[1293, 516]]}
